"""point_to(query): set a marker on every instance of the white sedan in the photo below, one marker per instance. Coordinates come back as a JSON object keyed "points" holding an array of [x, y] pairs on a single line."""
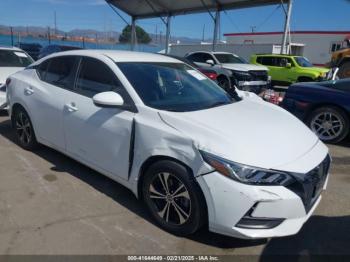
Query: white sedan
{"points": [[12, 60], [195, 155]]}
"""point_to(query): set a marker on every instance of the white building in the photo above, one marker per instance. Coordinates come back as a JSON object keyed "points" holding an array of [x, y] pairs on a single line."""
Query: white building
{"points": [[317, 46]]}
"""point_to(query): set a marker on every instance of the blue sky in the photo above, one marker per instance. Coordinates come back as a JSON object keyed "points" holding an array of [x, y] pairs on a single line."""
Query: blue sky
{"points": [[96, 14]]}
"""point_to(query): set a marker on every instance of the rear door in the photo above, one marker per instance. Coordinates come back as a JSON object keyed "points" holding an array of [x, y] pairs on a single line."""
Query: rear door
{"points": [[46, 98], [98, 136]]}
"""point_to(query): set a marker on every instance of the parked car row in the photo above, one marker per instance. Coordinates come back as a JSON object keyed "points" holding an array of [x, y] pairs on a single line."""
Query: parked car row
{"points": [[193, 153], [37, 51]]}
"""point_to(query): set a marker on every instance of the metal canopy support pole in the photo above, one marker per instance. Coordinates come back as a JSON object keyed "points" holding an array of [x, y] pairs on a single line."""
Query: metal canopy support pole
{"points": [[216, 29], [167, 37], [133, 33], [286, 27]]}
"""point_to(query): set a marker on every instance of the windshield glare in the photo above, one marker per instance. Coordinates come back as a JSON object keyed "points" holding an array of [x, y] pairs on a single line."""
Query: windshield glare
{"points": [[173, 86], [9, 58], [230, 59], [303, 61]]}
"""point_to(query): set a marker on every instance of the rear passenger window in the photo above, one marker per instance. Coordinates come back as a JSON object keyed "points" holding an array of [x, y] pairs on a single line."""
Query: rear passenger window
{"points": [[61, 72], [96, 77], [266, 60]]}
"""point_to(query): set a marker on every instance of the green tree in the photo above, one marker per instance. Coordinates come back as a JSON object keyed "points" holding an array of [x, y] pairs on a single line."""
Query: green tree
{"points": [[142, 36]]}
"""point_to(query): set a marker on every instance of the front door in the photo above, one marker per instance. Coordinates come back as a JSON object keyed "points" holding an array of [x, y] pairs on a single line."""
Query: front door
{"points": [[100, 137]]}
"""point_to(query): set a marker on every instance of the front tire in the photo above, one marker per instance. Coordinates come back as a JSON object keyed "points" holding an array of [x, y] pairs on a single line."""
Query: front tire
{"points": [[329, 123], [23, 128], [173, 198]]}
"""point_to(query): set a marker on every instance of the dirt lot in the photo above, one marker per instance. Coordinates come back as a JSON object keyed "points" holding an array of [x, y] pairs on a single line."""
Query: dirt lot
{"points": [[50, 204]]}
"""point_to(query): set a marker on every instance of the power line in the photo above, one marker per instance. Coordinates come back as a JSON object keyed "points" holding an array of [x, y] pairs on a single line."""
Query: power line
{"points": [[232, 22], [257, 28]]}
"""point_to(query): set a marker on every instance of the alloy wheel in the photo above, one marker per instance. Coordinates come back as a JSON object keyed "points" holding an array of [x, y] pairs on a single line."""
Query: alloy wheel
{"points": [[23, 128], [327, 126], [170, 198]]}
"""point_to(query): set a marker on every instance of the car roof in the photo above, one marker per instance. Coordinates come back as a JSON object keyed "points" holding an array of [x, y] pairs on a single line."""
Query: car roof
{"points": [[121, 56], [210, 52], [277, 55], [13, 48]]}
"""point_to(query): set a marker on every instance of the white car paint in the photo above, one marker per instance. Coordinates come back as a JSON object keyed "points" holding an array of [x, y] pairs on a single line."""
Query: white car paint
{"points": [[250, 132]]}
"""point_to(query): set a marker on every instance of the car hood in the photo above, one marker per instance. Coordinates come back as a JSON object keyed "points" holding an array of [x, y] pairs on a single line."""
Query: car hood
{"points": [[244, 67], [317, 69], [5, 72], [249, 132]]}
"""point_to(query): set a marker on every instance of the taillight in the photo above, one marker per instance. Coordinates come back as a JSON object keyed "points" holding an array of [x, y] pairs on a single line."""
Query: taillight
{"points": [[8, 81], [212, 76]]}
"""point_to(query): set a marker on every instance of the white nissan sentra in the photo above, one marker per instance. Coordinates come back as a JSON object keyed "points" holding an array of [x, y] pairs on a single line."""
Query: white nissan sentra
{"points": [[193, 153]]}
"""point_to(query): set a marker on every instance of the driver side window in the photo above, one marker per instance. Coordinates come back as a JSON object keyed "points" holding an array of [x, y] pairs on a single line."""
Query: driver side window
{"points": [[95, 77]]}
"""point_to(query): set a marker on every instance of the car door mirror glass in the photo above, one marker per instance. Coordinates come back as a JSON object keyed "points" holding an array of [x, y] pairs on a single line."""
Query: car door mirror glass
{"points": [[210, 62], [289, 65], [108, 99]]}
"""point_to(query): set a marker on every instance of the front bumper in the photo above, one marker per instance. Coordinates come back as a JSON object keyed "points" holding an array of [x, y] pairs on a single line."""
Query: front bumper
{"points": [[229, 201], [253, 86]]}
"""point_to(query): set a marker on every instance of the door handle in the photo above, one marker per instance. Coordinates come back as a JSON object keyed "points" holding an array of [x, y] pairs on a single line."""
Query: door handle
{"points": [[71, 107], [29, 90]]}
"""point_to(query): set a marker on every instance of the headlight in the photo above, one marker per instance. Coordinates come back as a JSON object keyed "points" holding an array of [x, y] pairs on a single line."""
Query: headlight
{"points": [[247, 174]]}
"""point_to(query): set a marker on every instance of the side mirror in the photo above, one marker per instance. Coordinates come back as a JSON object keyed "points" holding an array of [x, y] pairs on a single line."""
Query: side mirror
{"points": [[289, 65], [210, 62], [108, 99]]}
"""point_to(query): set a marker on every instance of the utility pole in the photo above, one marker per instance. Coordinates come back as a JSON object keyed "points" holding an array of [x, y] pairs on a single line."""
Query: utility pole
{"points": [[55, 21], [286, 26], [11, 28], [203, 32], [49, 34], [216, 28], [156, 33]]}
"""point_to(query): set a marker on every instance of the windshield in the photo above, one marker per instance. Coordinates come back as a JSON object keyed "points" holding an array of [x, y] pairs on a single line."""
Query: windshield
{"points": [[303, 61], [230, 59], [10, 58], [173, 86]]}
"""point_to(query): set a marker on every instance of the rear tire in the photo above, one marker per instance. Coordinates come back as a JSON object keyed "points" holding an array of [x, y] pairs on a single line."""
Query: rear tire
{"points": [[224, 83], [23, 128], [344, 70], [173, 198], [329, 123]]}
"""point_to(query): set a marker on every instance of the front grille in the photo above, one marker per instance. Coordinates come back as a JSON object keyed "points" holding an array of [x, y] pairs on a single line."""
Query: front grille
{"points": [[259, 75], [310, 187]]}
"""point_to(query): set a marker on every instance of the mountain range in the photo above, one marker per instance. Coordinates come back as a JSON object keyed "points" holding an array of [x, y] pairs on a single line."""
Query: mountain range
{"points": [[88, 33]]}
